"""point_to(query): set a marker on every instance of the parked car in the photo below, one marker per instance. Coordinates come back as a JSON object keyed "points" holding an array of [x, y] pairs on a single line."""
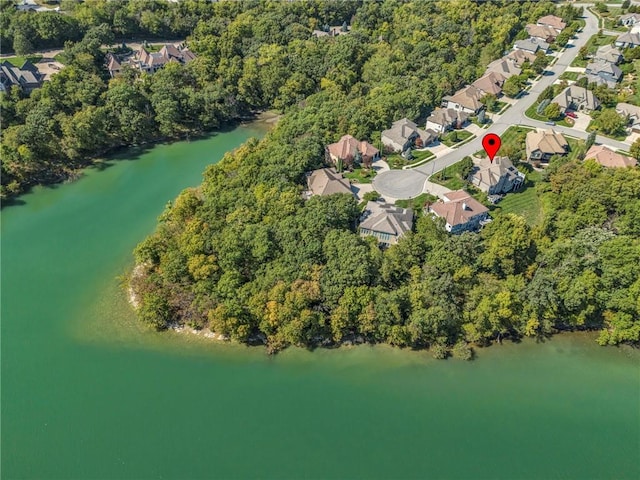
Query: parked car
{"points": [[550, 123], [571, 114]]}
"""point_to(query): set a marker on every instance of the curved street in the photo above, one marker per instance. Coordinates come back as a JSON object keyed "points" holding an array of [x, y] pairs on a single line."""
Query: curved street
{"points": [[405, 184]]}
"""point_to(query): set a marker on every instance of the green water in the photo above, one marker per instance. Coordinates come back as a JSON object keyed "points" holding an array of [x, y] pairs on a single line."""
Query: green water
{"points": [[88, 393]]}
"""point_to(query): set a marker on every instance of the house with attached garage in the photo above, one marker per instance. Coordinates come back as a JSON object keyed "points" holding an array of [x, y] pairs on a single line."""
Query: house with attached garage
{"points": [[505, 67], [405, 134], [490, 83], [631, 113], [608, 158], [604, 73], [608, 53], [630, 19], [542, 33], [387, 223], [27, 78], [497, 177], [531, 45], [541, 145], [461, 212], [518, 57], [552, 21], [577, 98], [347, 151], [628, 40], [466, 100], [326, 181], [444, 119]]}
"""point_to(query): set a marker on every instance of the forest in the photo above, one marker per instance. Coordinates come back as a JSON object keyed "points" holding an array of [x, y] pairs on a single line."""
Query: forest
{"points": [[247, 257]]}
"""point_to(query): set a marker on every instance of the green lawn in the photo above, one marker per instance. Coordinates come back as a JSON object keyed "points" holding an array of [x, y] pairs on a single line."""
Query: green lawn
{"points": [[450, 177], [396, 161], [532, 114], [569, 76], [592, 127], [19, 61], [525, 202], [461, 136], [416, 204], [592, 45], [361, 175]]}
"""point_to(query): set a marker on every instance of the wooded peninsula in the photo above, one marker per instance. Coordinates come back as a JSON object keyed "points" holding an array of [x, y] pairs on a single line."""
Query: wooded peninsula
{"points": [[246, 255]]}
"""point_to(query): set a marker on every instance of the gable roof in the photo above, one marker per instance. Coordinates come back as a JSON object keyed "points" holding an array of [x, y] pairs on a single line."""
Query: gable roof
{"points": [[504, 67], [604, 67], [630, 16], [347, 145], [469, 97], [447, 116], [547, 141], [385, 218], [608, 158], [490, 83], [26, 76], [531, 45], [552, 21], [608, 53], [458, 207], [519, 56], [579, 95], [630, 38], [488, 173], [629, 110], [541, 31], [402, 130], [326, 181]]}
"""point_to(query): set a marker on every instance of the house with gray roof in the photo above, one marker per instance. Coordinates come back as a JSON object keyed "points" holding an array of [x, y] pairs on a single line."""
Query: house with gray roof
{"points": [[608, 53], [606, 73], [27, 77], [326, 181], [405, 134], [496, 177], [630, 19], [628, 40], [386, 222], [531, 45], [444, 119], [576, 98], [631, 113]]}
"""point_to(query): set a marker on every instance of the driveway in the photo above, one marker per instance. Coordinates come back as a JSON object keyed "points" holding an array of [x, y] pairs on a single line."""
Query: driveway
{"points": [[411, 183]]}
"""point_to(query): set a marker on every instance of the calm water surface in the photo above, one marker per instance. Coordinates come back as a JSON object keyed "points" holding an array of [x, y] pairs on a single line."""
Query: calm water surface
{"points": [[88, 393]]}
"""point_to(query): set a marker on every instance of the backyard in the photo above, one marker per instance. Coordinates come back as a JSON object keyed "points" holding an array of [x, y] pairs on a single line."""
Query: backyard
{"points": [[19, 61], [452, 177], [525, 202]]}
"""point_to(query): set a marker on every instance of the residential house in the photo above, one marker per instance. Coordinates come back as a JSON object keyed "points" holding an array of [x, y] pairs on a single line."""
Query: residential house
{"points": [[632, 113], [348, 150], [518, 57], [504, 67], [576, 98], [443, 119], [151, 62], [608, 53], [628, 40], [460, 211], [630, 19], [604, 72], [326, 181], [608, 158], [491, 82], [542, 144], [113, 65], [334, 31], [27, 77], [531, 45], [405, 134], [552, 21], [542, 33], [386, 222], [496, 177], [466, 100]]}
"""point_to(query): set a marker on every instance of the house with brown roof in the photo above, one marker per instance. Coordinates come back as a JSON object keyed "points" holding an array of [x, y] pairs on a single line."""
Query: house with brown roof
{"points": [[27, 77], [505, 66], [497, 177], [490, 83], [444, 119], [326, 181], [542, 33], [608, 158], [518, 57], [552, 21], [348, 150], [386, 222], [542, 144], [466, 100], [149, 62], [460, 211], [405, 134], [114, 66]]}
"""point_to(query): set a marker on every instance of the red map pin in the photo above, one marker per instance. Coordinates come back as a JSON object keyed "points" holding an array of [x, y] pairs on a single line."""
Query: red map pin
{"points": [[491, 144]]}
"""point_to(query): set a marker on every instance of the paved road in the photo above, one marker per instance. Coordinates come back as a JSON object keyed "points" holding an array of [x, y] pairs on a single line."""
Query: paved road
{"points": [[403, 184]]}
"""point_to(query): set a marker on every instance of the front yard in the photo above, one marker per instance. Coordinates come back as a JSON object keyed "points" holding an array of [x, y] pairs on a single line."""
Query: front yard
{"points": [[417, 204], [396, 161], [361, 175], [592, 45], [455, 137], [534, 115]]}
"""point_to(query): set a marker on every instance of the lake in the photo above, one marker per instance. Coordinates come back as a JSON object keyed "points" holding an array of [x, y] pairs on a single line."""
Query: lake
{"points": [[88, 392]]}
